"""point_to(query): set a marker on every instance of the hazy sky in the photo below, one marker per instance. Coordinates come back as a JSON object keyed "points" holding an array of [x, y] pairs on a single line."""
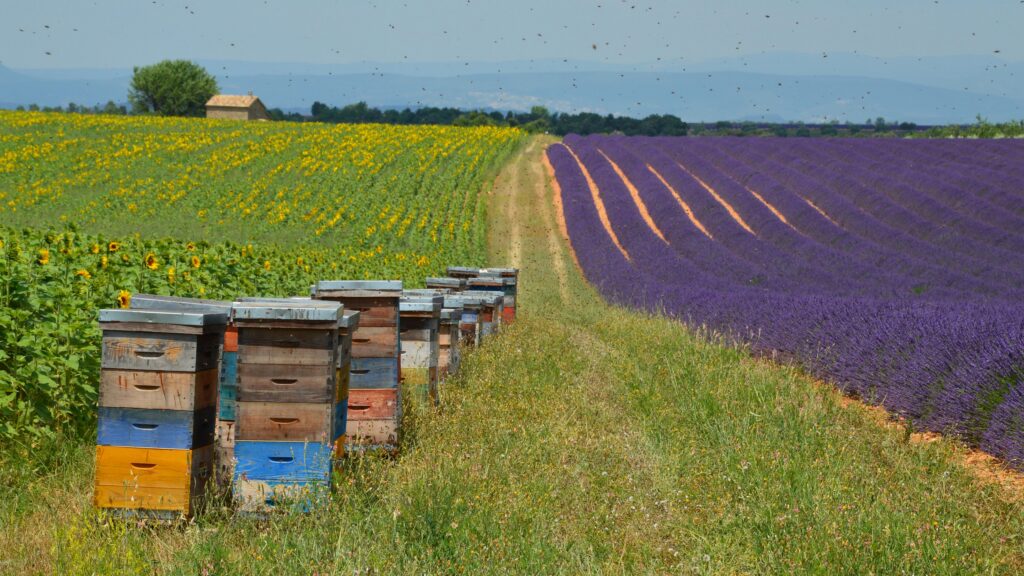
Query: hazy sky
{"points": [[120, 33]]}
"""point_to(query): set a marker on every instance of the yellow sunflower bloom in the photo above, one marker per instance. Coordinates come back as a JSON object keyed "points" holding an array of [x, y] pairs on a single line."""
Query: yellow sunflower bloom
{"points": [[44, 256], [83, 273], [152, 262], [170, 274], [95, 248], [103, 261], [113, 247], [190, 246], [196, 262], [124, 299], [266, 264]]}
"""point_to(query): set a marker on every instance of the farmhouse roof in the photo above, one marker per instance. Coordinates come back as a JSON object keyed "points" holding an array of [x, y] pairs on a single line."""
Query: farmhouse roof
{"points": [[232, 101]]}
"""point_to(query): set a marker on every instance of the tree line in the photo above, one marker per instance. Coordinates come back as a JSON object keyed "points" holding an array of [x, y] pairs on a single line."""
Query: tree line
{"points": [[182, 88]]}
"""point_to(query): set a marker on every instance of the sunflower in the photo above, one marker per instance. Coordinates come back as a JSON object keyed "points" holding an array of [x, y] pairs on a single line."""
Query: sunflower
{"points": [[266, 264], [300, 261], [152, 262], [170, 274], [124, 299], [44, 256], [196, 262], [95, 248], [113, 247], [83, 273], [103, 261], [190, 246]]}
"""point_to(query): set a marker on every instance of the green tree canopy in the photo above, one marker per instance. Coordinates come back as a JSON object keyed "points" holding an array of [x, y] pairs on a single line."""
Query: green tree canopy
{"points": [[171, 88]]}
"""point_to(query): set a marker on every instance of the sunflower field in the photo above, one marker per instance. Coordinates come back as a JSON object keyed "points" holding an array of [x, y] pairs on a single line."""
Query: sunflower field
{"points": [[94, 209]]}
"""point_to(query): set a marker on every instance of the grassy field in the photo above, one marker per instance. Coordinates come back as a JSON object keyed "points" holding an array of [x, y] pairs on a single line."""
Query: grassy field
{"points": [[585, 439]]}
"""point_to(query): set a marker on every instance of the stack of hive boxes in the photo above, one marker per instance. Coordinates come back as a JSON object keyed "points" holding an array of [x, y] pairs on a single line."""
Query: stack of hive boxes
{"points": [[375, 401], [289, 416], [419, 336], [224, 438], [505, 280], [450, 339], [449, 330], [491, 305], [470, 318], [347, 328], [158, 395]]}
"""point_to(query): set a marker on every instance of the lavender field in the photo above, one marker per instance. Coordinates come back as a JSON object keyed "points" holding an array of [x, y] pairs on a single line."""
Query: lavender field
{"points": [[891, 268]]}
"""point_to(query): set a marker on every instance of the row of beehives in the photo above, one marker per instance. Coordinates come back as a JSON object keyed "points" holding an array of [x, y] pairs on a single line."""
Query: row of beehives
{"points": [[263, 394]]}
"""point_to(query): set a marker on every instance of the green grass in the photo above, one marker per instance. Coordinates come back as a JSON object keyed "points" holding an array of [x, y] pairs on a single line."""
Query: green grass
{"points": [[585, 439]]}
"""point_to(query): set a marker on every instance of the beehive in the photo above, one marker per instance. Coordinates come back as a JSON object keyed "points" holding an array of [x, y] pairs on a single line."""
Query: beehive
{"points": [[419, 337], [491, 306], [157, 403], [289, 416], [227, 389], [374, 400], [450, 340], [509, 286], [470, 319]]}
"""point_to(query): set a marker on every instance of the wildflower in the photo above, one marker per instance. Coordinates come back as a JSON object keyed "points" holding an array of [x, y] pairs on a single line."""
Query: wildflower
{"points": [[113, 247], [95, 249], [151, 261], [196, 262], [124, 299], [266, 264], [44, 256], [83, 273]]}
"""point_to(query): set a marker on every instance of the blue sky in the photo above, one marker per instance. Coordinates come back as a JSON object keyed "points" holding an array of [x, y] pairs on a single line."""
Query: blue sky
{"points": [[123, 33]]}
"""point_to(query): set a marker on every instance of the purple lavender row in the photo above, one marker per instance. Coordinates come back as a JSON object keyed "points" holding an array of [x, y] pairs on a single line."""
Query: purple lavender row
{"points": [[952, 368]]}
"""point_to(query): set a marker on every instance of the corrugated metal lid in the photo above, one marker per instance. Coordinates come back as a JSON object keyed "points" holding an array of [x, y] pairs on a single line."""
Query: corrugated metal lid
{"points": [[463, 272], [331, 285], [290, 309], [156, 302], [421, 302], [446, 282], [183, 317]]}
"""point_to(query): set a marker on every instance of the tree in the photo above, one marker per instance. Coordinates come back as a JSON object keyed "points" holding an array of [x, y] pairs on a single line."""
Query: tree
{"points": [[171, 88]]}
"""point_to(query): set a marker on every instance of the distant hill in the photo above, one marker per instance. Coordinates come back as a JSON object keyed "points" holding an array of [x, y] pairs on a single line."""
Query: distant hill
{"points": [[794, 87]]}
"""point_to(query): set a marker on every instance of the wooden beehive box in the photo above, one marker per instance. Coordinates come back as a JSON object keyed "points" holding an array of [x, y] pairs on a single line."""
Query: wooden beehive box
{"points": [[374, 397], [470, 320], [450, 340], [420, 320], [227, 382], [157, 404], [289, 415], [491, 306]]}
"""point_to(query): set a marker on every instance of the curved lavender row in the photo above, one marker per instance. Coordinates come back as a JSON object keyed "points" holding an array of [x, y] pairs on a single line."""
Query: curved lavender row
{"points": [[937, 180], [817, 226], [833, 201], [953, 368], [850, 181]]}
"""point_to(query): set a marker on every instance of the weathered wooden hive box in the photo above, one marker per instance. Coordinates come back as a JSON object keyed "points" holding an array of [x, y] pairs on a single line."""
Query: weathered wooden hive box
{"points": [[470, 319], [289, 416], [451, 337], [374, 401], [511, 290], [157, 403], [491, 306], [449, 330], [227, 394], [419, 337]]}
